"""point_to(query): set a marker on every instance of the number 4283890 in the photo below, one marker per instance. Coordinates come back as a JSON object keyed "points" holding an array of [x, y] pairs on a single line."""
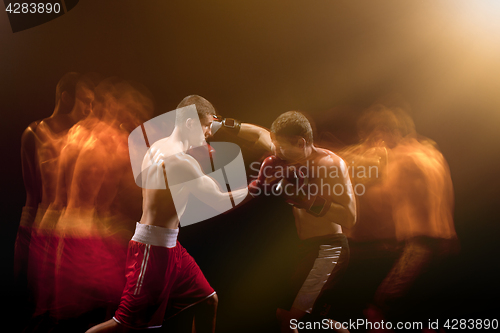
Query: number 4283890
{"points": [[32, 8]]}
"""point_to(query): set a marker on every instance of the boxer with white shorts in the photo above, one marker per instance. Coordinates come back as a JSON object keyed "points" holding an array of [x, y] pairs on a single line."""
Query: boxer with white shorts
{"points": [[320, 215]]}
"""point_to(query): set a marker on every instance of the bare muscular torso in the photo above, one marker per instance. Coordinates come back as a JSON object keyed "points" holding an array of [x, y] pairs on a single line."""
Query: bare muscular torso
{"points": [[326, 171], [158, 204], [170, 176]]}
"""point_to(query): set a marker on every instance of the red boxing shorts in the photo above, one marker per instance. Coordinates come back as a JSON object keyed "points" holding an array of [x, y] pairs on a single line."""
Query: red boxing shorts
{"points": [[42, 266], [161, 276]]}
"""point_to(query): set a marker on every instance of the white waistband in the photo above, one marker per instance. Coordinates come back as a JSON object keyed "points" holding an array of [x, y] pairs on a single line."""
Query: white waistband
{"points": [[154, 235]]}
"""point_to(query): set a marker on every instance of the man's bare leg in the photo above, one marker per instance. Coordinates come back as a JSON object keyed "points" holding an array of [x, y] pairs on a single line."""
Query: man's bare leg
{"points": [[205, 314]]}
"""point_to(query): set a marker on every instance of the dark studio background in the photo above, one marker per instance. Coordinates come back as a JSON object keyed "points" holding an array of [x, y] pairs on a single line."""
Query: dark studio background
{"points": [[256, 59]]}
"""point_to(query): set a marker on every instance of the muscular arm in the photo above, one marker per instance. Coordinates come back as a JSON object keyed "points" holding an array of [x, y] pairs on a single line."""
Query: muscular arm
{"points": [[167, 183], [186, 172], [342, 210], [31, 175], [259, 136]]}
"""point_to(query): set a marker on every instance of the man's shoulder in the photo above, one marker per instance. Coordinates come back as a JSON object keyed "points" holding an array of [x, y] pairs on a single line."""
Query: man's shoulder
{"points": [[29, 135], [160, 144], [181, 160], [31, 129], [47, 129], [326, 157], [52, 126], [180, 163]]}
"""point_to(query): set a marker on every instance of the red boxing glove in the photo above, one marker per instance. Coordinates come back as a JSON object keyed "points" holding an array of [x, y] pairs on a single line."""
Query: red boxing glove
{"points": [[272, 170], [297, 192], [204, 155], [294, 175]]}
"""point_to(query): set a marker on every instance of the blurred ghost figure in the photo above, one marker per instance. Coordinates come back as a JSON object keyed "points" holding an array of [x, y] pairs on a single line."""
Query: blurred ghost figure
{"points": [[41, 144], [406, 203], [97, 201], [88, 203]]}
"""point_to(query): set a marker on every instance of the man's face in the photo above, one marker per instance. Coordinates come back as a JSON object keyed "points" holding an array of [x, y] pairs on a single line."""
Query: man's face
{"points": [[290, 149], [83, 101], [206, 124], [198, 138]]}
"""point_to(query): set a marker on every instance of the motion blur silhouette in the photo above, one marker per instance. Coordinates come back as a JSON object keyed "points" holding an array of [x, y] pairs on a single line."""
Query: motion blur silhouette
{"points": [[405, 223], [41, 145], [87, 207]]}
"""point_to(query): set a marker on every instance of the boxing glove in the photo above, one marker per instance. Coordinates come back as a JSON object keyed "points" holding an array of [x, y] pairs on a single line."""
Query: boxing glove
{"points": [[272, 170], [204, 155], [297, 193], [231, 125]]}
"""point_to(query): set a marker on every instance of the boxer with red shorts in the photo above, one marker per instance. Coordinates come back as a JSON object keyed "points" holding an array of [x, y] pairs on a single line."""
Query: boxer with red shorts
{"points": [[161, 275]]}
